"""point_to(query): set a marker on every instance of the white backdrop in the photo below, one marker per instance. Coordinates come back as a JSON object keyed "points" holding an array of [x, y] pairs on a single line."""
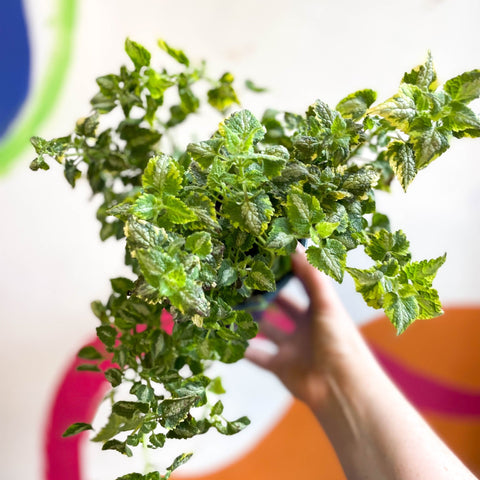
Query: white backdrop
{"points": [[52, 264]]}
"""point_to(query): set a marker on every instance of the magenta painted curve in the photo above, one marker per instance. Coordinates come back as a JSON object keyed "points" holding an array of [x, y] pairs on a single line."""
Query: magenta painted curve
{"points": [[430, 395]]}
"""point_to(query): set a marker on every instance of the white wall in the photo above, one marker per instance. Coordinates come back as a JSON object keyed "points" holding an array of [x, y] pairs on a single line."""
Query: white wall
{"points": [[51, 262]]}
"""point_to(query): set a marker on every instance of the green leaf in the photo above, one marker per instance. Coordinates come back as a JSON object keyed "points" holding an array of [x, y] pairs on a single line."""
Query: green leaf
{"points": [[107, 334], [205, 152], [401, 158], [428, 303], [216, 386], [423, 76], [400, 109], [255, 88], [146, 207], [162, 176], [223, 96], [118, 446], [128, 409], [139, 55], [383, 244], [330, 258], [361, 181], [303, 210], [177, 211], [89, 353], [465, 87], [179, 461], [88, 367], [423, 272], [199, 243], [39, 163], [76, 428], [370, 284], [250, 215], [241, 131], [144, 393], [72, 173], [231, 428], [429, 144], [325, 229], [227, 274], [178, 55], [355, 105], [114, 376], [217, 409], [402, 311], [280, 237], [143, 235], [459, 117], [175, 410], [261, 278]]}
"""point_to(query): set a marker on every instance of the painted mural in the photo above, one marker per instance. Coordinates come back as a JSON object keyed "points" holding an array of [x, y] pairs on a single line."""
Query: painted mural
{"points": [[52, 265]]}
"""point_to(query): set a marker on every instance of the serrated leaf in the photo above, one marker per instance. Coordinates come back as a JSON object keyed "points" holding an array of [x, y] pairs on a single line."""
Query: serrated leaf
{"points": [[401, 158], [400, 109], [325, 229], [465, 87], [39, 163], [355, 105], [383, 244], [177, 211], [423, 76], [199, 243], [369, 284], [144, 393], [128, 409], [146, 207], [227, 274], [261, 278], [175, 410], [361, 181], [178, 55], [250, 215], [273, 160], [402, 311], [459, 117], [330, 258], [162, 176], [429, 145], [76, 428], [142, 235], [423, 272], [139, 55], [428, 303], [280, 237], [241, 131], [320, 116], [205, 152], [302, 211]]}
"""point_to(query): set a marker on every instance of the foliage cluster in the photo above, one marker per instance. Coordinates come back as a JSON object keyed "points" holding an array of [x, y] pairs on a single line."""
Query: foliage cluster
{"points": [[209, 226]]}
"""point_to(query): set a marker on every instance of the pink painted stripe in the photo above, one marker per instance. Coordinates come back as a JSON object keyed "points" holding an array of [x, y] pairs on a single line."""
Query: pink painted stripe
{"points": [[430, 395]]}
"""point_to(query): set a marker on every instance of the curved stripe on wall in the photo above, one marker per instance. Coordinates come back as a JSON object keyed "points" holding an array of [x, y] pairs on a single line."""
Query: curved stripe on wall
{"points": [[15, 88], [436, 364]]}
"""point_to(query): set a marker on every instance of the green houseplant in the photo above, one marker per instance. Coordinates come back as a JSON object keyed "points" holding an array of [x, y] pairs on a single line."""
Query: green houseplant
{"points": [[210, 225]]}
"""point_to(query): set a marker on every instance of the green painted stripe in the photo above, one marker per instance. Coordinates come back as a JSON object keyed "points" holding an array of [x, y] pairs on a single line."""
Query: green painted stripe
{"points": [[42, 105]]}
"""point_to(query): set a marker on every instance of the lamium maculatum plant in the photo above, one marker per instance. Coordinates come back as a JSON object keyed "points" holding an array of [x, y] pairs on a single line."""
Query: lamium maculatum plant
{"points": [[210, 225]]}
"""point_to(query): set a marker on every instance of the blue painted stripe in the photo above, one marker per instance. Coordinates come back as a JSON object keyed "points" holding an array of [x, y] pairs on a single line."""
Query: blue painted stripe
{"points": [[14, 61]]}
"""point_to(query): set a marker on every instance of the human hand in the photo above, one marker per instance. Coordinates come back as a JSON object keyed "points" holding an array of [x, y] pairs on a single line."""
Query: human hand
{"points": [[324, 346]]}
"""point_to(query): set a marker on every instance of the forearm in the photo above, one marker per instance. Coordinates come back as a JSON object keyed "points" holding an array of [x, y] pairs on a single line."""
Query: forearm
{"points": [[377, 434]]}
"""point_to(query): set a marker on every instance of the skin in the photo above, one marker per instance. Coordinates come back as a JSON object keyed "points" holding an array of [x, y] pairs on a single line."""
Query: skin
{"points": [[325, 363]]}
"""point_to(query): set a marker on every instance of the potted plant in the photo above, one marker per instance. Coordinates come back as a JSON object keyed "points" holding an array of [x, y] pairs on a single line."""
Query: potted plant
{"points": [[210, 225]]}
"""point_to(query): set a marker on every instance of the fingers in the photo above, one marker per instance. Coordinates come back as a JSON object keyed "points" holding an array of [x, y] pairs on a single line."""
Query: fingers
{"points": [[317, 285], [273, 333], [294, 311]]}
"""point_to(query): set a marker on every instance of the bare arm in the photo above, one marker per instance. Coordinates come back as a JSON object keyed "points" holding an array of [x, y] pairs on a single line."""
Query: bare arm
{"points": [[325, 363]]}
